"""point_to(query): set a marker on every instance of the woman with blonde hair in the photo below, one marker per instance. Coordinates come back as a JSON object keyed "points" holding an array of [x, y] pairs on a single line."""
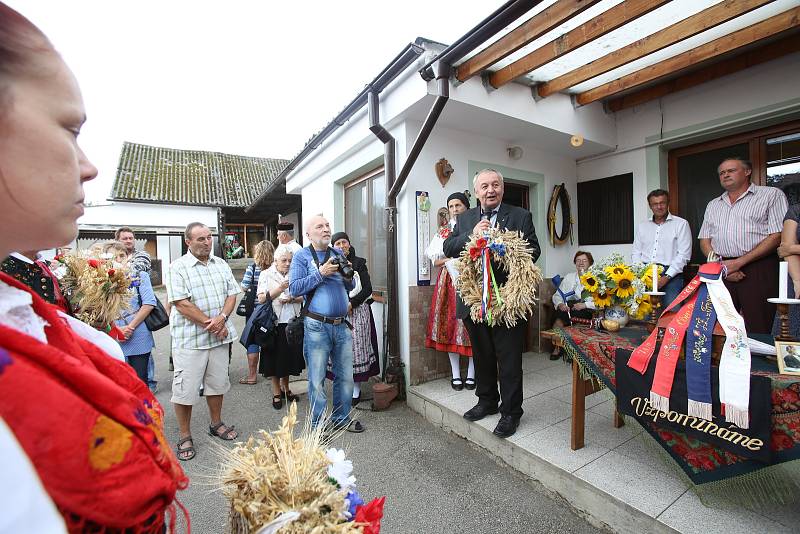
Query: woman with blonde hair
{"points": [[263, 255], [82, 439], [285, 359], [138, 342]]}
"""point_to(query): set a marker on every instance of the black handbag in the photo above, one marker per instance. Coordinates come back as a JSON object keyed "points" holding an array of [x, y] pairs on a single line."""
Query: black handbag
{"points": [[295, 331], [248, 302], [157, 318]]}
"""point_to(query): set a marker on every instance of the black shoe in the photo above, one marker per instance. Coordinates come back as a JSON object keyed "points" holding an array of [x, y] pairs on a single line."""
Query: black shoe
{"points": [[356, 400], [457, 384], [479, 411], [506, 426], [555, 355], [469, 383], [277, 401]]}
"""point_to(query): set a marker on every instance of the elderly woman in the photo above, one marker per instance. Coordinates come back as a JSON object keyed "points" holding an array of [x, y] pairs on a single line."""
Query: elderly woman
{"points": [[263, 257], [567, 298], [138, 342], [445, 331], [75, 423], [285, 360], [365, 337]]}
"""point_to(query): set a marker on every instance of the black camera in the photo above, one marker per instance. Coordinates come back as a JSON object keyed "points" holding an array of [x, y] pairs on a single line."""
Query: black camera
{"points": [[345, 269]]}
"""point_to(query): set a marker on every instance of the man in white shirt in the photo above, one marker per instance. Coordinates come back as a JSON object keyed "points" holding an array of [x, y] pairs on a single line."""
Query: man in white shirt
{"points": [[664, 239], [286, 236]]}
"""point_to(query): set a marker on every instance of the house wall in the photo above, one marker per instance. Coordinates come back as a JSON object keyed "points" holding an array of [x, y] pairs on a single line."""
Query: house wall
{"points": [[747, 100], [161, 219]]}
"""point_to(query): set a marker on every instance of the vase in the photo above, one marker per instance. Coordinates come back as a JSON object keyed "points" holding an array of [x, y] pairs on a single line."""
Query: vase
{"points": [[617, 313]]}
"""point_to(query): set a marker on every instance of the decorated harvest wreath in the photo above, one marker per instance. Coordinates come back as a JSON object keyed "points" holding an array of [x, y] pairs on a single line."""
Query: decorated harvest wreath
{"points": [[490, 302]]}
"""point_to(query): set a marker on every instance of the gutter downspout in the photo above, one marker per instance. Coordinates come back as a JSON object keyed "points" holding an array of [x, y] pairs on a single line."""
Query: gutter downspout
{"points": [[393, 373]]}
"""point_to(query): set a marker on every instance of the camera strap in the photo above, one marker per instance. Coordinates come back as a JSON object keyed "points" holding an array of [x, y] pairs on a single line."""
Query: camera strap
{"points": [[307, 300]]}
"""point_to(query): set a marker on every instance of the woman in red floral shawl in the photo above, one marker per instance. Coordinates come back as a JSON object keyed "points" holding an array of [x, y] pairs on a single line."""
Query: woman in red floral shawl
{"points": [[446, 332], [90, 430]]}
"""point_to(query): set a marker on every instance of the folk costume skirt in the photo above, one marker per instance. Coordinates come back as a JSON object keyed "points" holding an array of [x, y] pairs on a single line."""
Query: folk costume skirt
{"points": [[445, 331]]}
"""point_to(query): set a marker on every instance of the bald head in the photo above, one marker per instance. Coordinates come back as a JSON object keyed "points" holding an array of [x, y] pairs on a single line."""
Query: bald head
{"points": [[318, 230]]}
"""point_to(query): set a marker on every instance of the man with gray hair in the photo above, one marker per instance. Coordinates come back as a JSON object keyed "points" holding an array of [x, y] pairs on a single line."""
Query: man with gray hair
{"points": [[286, 236], [202, 291], [494, 347]]}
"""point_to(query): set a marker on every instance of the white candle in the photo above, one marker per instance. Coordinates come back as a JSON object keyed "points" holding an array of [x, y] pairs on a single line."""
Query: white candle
{"points": [[783, 275], [655, 278]]}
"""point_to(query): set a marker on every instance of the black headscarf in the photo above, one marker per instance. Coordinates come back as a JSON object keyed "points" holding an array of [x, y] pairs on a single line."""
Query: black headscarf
{"points": [[341, 235], [458, 195]]}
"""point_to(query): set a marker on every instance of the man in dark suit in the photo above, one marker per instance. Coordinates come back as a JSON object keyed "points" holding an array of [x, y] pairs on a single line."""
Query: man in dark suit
{"points": [[498, 345]]}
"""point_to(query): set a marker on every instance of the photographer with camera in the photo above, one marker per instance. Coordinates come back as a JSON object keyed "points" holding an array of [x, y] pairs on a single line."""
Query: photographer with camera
{"points": [[324, 277]]}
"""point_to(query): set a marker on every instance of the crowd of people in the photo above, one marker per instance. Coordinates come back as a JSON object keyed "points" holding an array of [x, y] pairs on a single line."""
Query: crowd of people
{"points": [[82, 442]]}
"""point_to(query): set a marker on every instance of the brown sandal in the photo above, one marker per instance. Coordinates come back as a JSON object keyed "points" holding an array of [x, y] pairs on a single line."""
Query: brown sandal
{"points": [[188, 451], [244, 380], [229, 434]]}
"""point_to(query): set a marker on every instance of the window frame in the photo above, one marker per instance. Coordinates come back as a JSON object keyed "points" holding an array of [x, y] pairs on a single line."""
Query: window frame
{"points": [[367, 254]]}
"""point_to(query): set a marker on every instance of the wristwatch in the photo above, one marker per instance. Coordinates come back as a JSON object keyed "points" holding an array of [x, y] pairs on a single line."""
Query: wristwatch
{"points": [[226, 316]]}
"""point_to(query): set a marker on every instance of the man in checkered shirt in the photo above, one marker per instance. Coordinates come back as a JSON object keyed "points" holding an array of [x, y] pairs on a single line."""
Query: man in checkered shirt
{"points": [[202, 291]]}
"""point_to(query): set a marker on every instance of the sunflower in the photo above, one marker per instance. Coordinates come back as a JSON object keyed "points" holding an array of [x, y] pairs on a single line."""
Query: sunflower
{"points": [[645, 308], [618, 272], [602, 299], [647, 276], [625, 287], [589, 281]]}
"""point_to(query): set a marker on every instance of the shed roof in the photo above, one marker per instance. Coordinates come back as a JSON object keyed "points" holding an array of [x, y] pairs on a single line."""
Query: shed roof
{"points": [[195, 177]]}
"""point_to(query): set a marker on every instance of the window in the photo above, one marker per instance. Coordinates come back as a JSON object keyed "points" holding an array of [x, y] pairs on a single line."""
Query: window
{"points": [[693, 180], [365, 222], [605, 211]]}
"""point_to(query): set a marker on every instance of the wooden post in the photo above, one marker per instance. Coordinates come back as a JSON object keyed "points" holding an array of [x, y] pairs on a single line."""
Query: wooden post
{"points": [[578, 406]]}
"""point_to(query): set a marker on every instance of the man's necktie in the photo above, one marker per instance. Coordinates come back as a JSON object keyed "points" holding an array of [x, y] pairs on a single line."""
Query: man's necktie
{"points": [[488, 215]]}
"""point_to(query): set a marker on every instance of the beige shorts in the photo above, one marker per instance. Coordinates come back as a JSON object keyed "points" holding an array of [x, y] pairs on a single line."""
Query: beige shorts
{"points": [[196, 367]]}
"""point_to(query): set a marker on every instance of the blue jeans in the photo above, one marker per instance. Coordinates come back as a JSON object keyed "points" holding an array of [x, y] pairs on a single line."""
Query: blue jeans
{"points": [[151, 373], [321, 341], [672, 290]]}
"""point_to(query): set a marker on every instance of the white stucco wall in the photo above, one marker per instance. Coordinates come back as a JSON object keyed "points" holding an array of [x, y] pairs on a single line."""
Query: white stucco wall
{"points": [[159, 218], [746, 100]]}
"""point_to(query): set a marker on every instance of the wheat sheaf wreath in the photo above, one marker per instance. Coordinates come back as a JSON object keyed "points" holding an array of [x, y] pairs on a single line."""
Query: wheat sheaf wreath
{"points": [[509, 302]]}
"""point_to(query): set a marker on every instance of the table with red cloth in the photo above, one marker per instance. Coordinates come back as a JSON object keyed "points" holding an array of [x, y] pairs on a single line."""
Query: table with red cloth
{"points": [[593, 354]]}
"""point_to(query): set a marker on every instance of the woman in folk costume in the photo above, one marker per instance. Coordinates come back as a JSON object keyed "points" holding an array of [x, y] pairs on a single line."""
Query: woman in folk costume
{"points": [[446, 332], [80, 432], [365, 337]]}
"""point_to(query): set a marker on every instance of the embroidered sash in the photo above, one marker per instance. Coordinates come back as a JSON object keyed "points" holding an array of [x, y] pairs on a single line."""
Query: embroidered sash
{"points": [[698, 356], [668, 356]]}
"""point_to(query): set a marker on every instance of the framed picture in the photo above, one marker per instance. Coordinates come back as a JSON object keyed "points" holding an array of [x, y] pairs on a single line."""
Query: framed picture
{"points": [[788, 353]]}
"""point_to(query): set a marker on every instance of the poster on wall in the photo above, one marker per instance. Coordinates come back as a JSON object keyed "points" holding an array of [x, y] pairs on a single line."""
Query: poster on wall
{"points": [[423, 238]]}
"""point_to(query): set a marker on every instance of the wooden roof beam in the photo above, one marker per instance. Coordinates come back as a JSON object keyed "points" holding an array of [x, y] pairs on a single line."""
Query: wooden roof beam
{"points": [[532, 29], [774, 50], [689, 27], [785, 21], [602, 24]]}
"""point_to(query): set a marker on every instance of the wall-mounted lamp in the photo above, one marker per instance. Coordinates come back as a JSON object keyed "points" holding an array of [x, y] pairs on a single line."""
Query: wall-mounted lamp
{"points": [[514, 152]]}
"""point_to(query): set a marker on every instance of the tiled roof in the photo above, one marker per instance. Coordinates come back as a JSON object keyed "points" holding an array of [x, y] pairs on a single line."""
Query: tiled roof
{"points": [[172, 176]]}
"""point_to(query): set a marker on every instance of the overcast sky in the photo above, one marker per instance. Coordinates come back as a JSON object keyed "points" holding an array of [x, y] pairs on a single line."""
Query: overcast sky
{"points": [[245, 77]]}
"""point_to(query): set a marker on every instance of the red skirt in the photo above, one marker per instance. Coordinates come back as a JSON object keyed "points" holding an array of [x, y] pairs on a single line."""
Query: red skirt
{"points": [[445, 331]]}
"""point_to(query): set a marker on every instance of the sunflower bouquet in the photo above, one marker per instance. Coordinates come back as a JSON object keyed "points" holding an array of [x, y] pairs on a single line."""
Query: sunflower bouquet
{"points": [[612, 282], [98, 289]]}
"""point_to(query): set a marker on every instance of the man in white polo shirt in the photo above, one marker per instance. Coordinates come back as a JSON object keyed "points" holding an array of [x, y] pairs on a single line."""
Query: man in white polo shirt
{"points": [[203, 292], [664, 239]]}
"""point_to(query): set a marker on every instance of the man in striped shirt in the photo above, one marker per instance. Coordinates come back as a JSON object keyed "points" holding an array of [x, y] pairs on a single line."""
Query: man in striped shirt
{"points": [[202, 291], [743, 227]]}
